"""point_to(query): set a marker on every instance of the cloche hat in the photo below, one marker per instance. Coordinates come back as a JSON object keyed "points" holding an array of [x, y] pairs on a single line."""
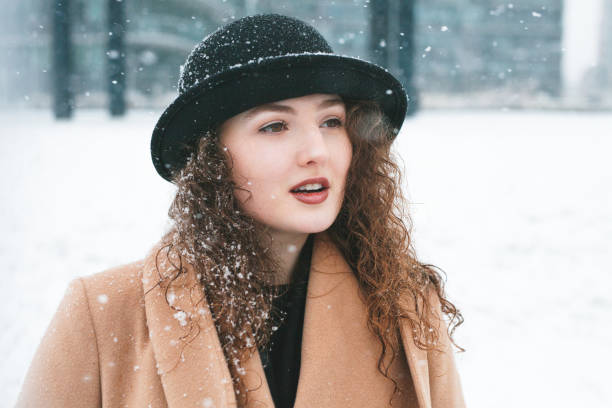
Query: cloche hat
{"points": [[256, 60]]}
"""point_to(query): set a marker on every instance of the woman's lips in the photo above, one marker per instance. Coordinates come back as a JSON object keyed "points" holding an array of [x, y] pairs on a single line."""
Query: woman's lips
{"points": [[316, 180], [311, 198]]}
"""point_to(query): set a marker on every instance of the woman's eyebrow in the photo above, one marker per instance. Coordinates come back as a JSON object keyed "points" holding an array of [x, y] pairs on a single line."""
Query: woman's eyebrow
{"points": [[277, 107], [273, 107]]}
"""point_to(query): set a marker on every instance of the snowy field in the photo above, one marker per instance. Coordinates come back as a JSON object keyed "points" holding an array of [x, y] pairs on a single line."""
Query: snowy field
{"points": [[515, 207]]}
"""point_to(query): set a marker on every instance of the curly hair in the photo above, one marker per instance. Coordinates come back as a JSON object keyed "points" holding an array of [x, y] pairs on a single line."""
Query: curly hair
{"points": [[372, 231]]}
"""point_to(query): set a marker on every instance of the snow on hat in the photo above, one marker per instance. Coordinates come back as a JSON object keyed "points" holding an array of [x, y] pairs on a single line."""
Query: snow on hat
{"points": [[256, 60]]}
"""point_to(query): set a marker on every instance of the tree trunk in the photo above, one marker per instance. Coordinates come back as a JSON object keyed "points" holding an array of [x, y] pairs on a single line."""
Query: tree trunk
{"points": [[62, 60], [116, 57]]}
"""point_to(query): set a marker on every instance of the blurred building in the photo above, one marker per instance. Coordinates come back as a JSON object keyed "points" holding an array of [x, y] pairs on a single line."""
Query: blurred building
{"points": [[605, 55], [160, 34], [489, 49], [24, 46], [469, 53]]}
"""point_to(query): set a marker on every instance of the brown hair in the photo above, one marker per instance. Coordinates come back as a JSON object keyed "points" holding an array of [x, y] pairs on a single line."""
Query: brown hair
{"points": [[372, 231]]}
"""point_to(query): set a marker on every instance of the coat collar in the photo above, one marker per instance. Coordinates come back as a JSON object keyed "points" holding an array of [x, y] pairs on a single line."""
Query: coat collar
{"points": [[339, 354]]}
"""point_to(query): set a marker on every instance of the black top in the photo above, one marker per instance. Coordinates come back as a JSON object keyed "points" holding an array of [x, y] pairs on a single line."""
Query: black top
{"points": [[281, 359]]}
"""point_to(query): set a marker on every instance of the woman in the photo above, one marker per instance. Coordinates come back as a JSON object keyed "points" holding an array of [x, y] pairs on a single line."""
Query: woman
{"points": [[288, 277]]}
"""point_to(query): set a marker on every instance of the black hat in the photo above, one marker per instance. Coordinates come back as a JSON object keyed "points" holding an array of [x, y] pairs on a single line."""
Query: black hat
{"points": [[257, 60]]}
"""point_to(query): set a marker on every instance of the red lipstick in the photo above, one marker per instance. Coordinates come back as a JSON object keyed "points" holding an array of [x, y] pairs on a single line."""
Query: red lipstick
{"points": [[314, 196]]}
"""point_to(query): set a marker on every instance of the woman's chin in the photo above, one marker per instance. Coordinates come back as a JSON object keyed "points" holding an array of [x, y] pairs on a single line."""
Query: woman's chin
{"points": [[306, 227], [313, 228]]}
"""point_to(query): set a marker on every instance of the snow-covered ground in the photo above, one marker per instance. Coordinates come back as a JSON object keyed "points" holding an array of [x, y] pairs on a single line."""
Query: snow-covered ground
{"points": [[515, 207]]}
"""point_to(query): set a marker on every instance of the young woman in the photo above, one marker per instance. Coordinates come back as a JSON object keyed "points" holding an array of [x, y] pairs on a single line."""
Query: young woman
{"points": [[288, 277]]}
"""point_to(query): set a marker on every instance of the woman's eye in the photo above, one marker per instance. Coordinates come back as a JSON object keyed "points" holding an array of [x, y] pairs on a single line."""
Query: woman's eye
{"points": [[274, 127], [334, 122]]}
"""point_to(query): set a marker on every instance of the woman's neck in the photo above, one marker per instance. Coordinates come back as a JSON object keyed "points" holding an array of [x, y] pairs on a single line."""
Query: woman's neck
{"points": [[286, 249]]}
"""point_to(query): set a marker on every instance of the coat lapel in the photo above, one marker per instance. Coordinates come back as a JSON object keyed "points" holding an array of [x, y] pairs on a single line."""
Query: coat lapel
{"points": [[339, 354], [419, 369], [434, 372], [193, 372]]}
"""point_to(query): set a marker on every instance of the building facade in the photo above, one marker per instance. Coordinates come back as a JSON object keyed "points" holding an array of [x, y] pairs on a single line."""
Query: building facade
{"points": [[468, 53]]}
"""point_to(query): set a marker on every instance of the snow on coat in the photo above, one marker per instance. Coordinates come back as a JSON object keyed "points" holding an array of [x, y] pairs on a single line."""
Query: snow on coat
{"points": [[110, 345]]}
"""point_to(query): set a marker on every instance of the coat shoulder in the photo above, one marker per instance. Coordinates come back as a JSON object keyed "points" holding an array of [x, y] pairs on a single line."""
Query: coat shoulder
{"points": [[115, 300], [118, 285]]}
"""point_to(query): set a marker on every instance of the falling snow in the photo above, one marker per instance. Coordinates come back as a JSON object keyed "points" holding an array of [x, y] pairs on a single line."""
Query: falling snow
{"points": [[502, 171]]}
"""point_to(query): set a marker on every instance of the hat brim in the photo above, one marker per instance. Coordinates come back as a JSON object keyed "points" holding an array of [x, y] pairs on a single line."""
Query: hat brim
{"points": [[242, 87]]}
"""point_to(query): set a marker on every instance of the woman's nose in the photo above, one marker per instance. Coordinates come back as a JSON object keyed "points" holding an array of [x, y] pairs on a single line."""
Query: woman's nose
{"points": [[313, 148]]}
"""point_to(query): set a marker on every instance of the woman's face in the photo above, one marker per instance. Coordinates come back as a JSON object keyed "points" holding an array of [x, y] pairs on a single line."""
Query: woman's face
{"points": [[277, 147]]}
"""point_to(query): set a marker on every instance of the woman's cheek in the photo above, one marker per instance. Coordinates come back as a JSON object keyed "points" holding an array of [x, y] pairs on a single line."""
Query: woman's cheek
{"points": [[348, 155]]}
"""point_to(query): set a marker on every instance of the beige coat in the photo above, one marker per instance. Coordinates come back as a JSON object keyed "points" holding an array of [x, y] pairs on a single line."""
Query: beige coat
{"points": [[110, 345]]}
